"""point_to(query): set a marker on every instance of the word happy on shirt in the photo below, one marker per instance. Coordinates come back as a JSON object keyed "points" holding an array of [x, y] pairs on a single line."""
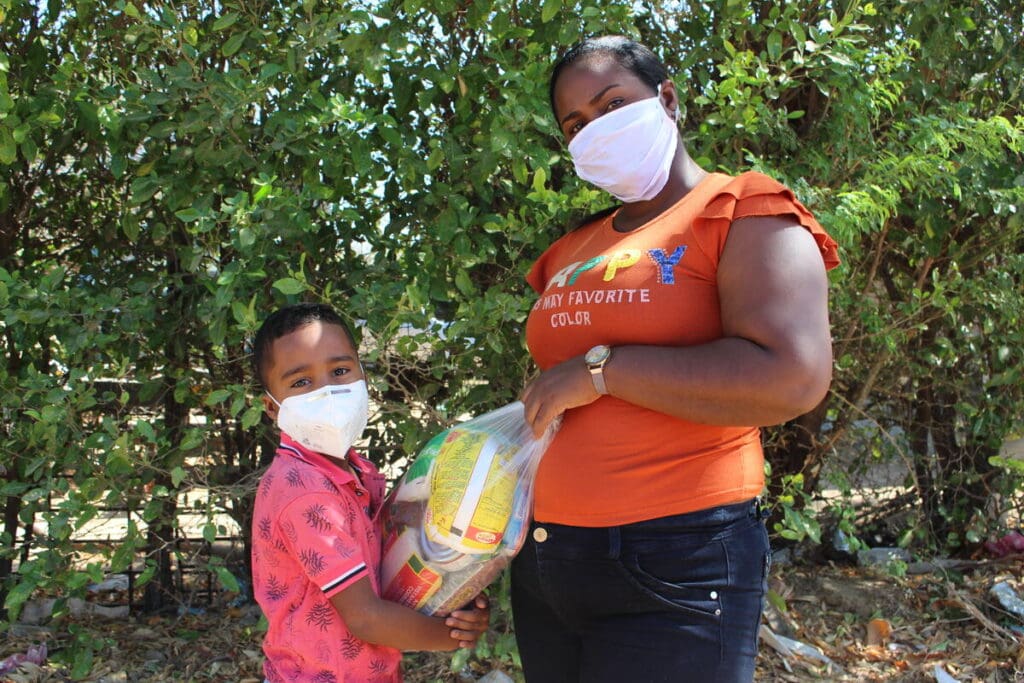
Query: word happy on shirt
{"points": [[566, 289]]}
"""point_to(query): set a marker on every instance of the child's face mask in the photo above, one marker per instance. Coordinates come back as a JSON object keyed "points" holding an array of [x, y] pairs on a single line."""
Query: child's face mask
{"points": [[328, 420]]}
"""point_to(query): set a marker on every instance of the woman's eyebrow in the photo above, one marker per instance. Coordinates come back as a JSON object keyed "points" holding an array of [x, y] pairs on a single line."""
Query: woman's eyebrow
{"points": [[593, 100]]}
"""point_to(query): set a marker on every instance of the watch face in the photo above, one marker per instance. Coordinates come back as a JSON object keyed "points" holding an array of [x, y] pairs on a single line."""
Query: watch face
{"points": [[598, 354]]}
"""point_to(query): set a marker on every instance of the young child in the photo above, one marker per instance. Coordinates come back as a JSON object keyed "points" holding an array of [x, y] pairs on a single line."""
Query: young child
{"points": [[316, 545]]}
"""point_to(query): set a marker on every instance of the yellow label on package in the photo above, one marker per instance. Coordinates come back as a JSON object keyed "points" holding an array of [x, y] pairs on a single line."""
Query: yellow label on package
{"points": [[471, 492]]}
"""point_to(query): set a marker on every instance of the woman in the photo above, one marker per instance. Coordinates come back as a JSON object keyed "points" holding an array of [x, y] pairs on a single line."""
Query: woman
{"points": [[667, 331]]}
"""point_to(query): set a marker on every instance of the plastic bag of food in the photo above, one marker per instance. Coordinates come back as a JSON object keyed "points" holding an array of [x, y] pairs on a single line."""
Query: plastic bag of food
{"points": [[459, 514]]}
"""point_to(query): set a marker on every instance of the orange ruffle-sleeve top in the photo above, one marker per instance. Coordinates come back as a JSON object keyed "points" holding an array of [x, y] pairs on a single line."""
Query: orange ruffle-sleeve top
{"points": [[613, 462]]}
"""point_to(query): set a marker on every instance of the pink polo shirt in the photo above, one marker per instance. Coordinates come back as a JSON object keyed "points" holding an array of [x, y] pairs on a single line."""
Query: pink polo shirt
{"points": [[314, 534]]}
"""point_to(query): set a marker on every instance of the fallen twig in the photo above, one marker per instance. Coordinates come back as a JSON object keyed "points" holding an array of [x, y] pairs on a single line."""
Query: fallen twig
{"points": [[972, 609]]}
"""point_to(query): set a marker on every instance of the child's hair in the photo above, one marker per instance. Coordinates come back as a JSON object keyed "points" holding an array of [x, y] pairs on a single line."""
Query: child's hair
{"points": [[285, 321]]}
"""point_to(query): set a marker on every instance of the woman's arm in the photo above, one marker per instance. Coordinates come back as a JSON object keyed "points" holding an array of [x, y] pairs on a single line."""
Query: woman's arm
{"points": [[390, 624], [773, 362]]}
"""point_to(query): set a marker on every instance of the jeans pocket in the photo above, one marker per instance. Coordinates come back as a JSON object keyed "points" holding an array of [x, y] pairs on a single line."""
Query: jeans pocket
{"points": [[685, 579]]}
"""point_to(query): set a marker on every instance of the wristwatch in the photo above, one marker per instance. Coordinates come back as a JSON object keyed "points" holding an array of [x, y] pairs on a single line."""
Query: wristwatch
{"points": [[596, 358]]}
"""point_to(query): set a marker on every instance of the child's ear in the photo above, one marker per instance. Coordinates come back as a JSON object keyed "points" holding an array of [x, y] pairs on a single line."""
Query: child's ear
{"points": [[269, 407]]}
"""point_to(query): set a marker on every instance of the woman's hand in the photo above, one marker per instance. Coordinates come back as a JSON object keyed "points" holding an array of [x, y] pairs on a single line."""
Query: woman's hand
{"points": [[469, 624], [564, 386]]}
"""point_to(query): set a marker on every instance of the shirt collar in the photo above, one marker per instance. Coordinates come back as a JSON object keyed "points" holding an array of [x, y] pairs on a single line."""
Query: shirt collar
{"points": [[326, 464]]}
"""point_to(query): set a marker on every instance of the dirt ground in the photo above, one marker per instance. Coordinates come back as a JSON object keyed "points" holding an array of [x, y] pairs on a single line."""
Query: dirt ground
{"points": [[867, 626]]}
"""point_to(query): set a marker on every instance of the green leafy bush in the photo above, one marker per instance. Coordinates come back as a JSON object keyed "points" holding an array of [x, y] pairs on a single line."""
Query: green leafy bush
{"points": [[171, 173]]}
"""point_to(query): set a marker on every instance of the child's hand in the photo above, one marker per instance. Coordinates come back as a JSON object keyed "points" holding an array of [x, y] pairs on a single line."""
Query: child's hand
{"points": [[469, 624]]}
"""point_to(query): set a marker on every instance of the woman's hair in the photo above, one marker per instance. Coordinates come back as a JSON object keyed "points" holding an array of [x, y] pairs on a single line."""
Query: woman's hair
{"points": [[629, 54]]}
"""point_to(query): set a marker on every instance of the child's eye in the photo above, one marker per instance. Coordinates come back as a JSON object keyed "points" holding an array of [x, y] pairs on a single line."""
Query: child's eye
{"points": [[300, 383], [614, 104], [338, 372]]}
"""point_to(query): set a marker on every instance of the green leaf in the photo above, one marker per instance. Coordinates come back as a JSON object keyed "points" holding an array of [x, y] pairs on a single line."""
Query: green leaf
{"points": [[217, 396], [29, 151], [8, 148], [774, 46], [227, 579], [122, 557], [145, 430], [464, 283], [188, 215], [147, 574], [232, 44], [193, 439], [13, 488], [153, 509], [49, 118], [246, 237], [130, 226], [289, 286], [271, 70], [540, 177], [415, 294], [83, 660], [225, 21], [798, 33], [17, 596], [240, 312], [549, 9], [33, 495], [251, 417], [777, 601], [998, 43], [177, 476], [839, 58]]}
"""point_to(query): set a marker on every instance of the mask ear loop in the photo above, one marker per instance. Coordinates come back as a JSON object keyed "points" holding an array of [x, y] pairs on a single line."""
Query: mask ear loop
{"points": [[271, 396], [677, 112]]}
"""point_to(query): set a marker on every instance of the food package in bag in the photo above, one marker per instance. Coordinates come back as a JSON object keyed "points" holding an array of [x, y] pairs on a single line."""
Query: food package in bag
{"points": [[460, 512]]}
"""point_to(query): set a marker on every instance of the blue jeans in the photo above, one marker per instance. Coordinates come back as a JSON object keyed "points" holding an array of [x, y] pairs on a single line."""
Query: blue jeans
{"points": [[671, 599]]}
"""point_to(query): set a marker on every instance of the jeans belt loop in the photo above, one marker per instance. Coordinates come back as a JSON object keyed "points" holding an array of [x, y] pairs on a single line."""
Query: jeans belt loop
{"points": [[614, 542]]}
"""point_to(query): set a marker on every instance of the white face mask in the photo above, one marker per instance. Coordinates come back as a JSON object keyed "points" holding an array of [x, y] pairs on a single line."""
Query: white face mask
{"points": [[328, 420], [627, 152]]}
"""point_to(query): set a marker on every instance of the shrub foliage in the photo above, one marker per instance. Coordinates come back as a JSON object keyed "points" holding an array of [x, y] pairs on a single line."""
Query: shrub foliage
{"points": [[171, 172]]}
